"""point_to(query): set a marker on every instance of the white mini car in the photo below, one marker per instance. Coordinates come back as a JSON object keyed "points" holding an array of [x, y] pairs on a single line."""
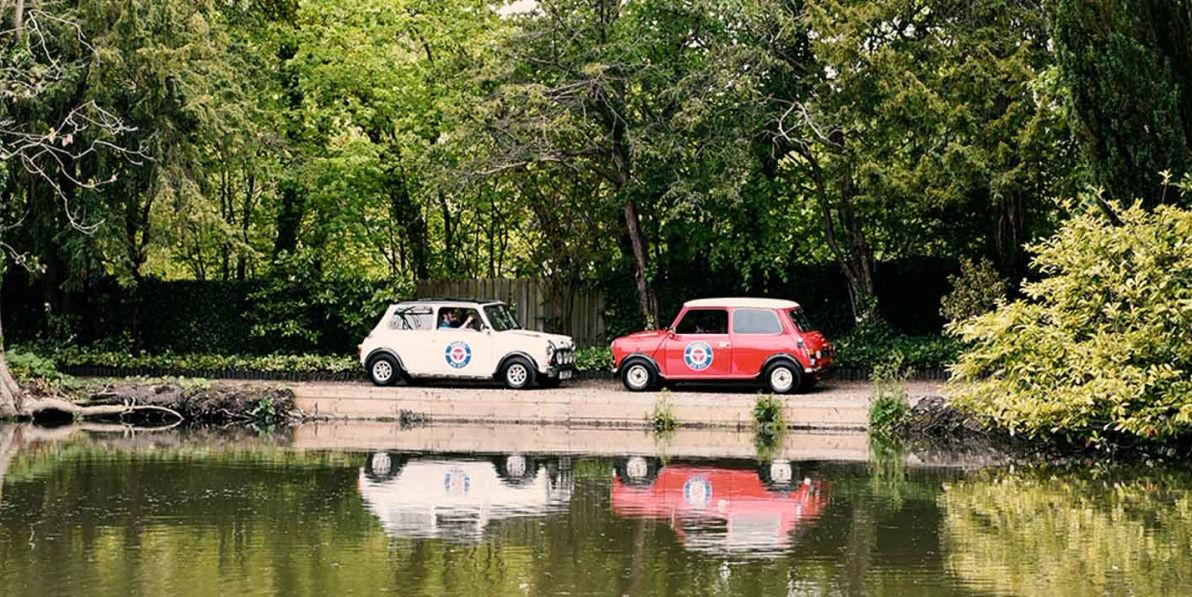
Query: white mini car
{"points": [[458, 339]]}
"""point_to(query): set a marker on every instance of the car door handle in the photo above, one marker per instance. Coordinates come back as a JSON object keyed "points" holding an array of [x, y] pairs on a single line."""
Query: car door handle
{"points": [[723, 344]]}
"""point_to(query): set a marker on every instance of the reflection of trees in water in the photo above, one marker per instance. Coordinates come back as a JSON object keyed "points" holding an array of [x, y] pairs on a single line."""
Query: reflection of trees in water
{"points": [[1036, 534]]}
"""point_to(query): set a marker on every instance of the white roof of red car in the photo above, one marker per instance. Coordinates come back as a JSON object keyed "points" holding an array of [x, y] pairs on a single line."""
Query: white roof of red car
{"points": [[738, 302]]}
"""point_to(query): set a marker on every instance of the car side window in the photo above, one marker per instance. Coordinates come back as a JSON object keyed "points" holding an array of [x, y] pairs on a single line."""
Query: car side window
{"points": [[756, 321], [459, 318], [412, 319], [704, 321]]}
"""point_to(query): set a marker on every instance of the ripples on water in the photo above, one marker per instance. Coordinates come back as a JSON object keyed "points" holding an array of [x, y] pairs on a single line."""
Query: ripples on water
{"points": [[249, 517]]}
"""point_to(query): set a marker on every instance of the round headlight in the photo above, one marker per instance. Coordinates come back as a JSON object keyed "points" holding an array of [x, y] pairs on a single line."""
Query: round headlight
{"points": [[550, 349]]}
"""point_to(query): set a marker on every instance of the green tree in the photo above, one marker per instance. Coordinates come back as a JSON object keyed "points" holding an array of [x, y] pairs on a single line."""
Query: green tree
{"points": [[1127, 69]]}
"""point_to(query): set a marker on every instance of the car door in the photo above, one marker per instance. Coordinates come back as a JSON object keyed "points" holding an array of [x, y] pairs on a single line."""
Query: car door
{"points": [[463, 351], [756, 334], [408, 332], [699, 346]]}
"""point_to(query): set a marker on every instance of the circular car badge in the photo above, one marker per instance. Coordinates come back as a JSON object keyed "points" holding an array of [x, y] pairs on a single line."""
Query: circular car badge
{"points": [[698, 356], [697, 492], [458, 354], [456, 482]]}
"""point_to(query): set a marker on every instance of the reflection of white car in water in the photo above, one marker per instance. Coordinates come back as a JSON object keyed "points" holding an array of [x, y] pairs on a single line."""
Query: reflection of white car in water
{"points": [[456, 498], [450, 339]]}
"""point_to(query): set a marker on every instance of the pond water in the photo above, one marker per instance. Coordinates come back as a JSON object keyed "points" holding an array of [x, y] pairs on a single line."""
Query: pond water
{"points": [[243, 514]]}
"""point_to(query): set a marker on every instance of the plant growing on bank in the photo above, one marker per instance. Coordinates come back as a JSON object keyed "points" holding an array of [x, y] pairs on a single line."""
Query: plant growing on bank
{"points": [[767, 413], [662, 419], [888, 406], [769, 426], [1102, 344]]}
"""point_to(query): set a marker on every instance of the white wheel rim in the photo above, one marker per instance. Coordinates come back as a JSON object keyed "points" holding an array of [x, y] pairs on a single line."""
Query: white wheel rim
{"points": [[517, 375], [381, 464], [638, 376], [781, 379], [636, 468], [382, 371], [516, 466], [781, 472]]}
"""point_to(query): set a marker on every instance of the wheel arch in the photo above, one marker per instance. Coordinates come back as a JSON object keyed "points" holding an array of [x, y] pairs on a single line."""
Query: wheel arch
{"points": [[637, 356], [384, 350], [781, 357], [513, 355]]}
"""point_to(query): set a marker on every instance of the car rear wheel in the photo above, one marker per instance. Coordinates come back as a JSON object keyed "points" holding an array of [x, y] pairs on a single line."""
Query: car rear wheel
{"points": [[782, 377], [518, 374], [639, 376], [383, 370]]}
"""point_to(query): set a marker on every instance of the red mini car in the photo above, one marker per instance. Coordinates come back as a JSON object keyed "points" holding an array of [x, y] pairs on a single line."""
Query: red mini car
{"points": [[739, 339]]}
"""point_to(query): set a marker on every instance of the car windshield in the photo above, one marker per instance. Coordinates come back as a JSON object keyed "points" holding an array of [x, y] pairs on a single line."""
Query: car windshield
{"points": [[501, 317], [800, 320]]}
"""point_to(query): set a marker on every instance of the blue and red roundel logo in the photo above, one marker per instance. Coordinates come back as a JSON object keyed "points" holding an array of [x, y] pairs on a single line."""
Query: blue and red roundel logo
{"points": [[697, 492], [698, 356], [458, 354]]}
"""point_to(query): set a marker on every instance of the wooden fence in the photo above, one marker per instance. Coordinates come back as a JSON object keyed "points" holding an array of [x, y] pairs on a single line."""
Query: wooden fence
{"points": [[540, 305]]}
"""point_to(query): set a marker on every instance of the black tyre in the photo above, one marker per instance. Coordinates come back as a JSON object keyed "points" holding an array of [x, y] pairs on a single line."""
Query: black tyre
{"points": [[518, 374], [380, 467], [779, 475], [639, 376], [516, 470], [383, 370], [782, 377], [638, 471]]}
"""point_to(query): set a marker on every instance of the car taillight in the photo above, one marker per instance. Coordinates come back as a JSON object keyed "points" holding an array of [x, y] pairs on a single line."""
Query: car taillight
{"points": [[359, 350]]}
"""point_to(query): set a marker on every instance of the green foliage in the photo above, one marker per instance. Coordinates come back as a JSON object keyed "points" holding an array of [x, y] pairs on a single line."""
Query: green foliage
{"points": [[662, 418], [195, 364], [868, 348], [1127, 74], [302, 308], [888, 407], [594, 358], [975, 290], [29, 366], [767, 412], [1102, 344], [769, 426]]}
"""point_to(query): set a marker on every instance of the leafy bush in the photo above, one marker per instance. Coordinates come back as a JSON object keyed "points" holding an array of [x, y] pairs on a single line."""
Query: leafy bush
{"points": [[28, 366], [975, 290], [595, 358], [869, 347], [304, 308], [1103, 343], [184, 364]]}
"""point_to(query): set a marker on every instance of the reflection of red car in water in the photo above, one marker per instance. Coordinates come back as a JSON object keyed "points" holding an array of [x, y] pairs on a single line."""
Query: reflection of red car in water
{"points": [[725, 510]]}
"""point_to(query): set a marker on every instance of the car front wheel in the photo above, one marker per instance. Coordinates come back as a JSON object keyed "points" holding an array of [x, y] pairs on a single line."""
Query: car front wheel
{"points": [[383, 370], [518, 374], [782, 378], [639, 376]]}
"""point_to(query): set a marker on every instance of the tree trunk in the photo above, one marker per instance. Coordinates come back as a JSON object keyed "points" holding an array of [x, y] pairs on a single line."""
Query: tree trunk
{"points": [[645, 297], [18, 19], [1010, 224], [11, 395]]}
